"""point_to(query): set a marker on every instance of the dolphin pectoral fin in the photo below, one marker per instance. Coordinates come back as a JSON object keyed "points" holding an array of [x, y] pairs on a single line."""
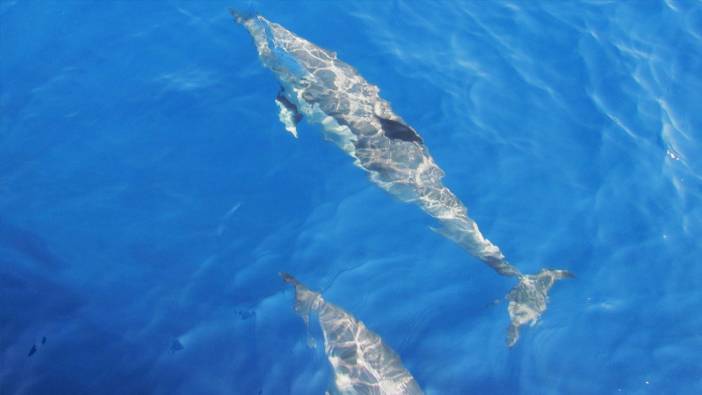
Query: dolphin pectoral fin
{"points": [[288, 115], [528, 299]]}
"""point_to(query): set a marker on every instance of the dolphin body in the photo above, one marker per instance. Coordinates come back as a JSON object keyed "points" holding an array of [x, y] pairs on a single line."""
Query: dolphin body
{"points": [[362, 363], [325, 90]]}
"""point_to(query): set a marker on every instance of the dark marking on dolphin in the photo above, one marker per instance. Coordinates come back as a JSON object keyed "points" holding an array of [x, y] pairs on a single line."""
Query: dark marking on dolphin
{"points": [[398, 130]]}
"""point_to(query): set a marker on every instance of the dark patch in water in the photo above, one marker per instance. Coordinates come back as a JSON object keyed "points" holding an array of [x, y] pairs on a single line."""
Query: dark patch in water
{"points": [[176, 346], [245, 315], [28, 243]]}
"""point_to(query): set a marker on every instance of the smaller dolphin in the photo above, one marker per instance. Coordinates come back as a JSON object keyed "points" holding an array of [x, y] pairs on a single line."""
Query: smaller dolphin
{"points": [[362, 363]]}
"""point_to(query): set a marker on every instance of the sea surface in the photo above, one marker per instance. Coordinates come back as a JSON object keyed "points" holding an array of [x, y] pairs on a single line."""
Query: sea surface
{"points": [[149, 196]]}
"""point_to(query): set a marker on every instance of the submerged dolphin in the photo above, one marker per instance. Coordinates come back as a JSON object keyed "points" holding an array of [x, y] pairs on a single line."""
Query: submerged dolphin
{"points": [[362, 363], [317, 85]]}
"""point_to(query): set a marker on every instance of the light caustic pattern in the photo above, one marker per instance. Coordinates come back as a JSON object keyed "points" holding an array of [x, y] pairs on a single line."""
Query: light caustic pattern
{"points": [[353, 115], [362, 363]]}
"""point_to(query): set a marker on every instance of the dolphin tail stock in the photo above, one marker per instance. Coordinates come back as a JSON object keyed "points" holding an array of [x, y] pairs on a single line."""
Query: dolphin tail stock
{"points": [[528, 299]]}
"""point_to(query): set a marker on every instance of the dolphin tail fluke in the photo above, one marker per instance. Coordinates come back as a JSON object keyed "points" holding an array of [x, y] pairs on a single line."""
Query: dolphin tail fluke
{"points": [[528, 299]]}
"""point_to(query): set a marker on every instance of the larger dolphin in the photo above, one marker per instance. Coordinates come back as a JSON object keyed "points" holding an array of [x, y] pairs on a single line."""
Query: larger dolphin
{"points": [[325, 90]]}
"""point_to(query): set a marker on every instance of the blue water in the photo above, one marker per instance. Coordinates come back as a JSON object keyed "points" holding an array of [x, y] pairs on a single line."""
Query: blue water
{"points": [[149, 196]]}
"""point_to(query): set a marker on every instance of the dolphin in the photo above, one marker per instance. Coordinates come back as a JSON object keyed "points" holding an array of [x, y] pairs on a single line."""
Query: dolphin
{"points": [[316, 85], [362, 363]]}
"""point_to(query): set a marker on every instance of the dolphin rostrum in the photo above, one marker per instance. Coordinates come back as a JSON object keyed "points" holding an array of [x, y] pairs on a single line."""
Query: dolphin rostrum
{"points": [[327, 91], [362, 363]]}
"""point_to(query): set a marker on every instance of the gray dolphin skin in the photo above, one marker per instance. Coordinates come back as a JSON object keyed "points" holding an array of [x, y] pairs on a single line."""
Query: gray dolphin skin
{"points": [[362, 363], [329, 92]]}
